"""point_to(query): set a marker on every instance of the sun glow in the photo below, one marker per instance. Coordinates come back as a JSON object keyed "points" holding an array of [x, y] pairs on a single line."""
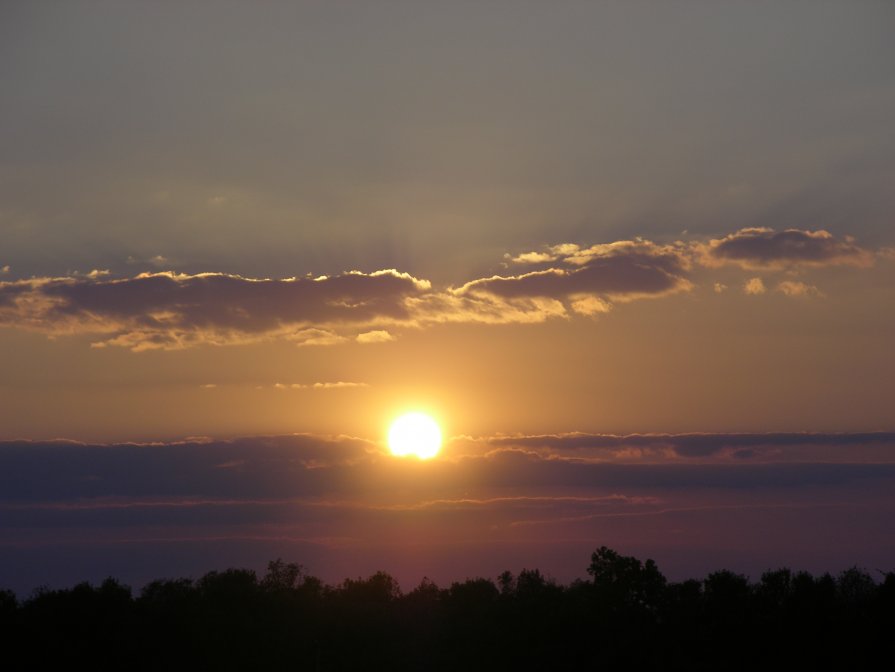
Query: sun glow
{"points": [[414, 434]]}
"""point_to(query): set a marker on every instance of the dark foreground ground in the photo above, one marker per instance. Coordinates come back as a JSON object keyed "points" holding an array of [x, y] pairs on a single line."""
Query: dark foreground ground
{"points": [[626, 616]]}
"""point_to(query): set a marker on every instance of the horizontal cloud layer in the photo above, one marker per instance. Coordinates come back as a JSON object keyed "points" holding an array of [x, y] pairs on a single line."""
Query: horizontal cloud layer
{"points": [[341, 505], [741, 445], [305, 465], [166, 310], [171, 310]]}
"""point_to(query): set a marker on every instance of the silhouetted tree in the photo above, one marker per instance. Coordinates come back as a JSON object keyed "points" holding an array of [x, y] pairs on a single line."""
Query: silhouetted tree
{"points": [[507, 583], [624, 580], [627, 616], [855, 589], [627, 599], [8, 604], [282, 576]]}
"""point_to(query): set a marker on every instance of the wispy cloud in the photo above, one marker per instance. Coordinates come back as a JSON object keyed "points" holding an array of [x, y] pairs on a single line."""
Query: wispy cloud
{"points": [[694, 445], [797, 290], [337, 385], [375, 336], [158, 261]]}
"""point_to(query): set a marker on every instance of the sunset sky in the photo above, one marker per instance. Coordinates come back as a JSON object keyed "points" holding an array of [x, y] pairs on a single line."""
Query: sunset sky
{"points": [[637, 260]]}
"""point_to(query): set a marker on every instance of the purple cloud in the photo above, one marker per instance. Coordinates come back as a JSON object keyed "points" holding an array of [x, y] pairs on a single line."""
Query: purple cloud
{"points": [[168, 310], [763, 248], [342, 507], [591, 279], [696, 444]]}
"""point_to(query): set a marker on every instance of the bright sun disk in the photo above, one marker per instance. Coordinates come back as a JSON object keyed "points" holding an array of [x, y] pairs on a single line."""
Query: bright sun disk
{"points": [[414, 434]]}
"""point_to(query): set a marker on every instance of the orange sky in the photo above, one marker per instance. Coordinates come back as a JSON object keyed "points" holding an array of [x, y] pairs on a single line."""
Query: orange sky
{"points": [[697, 360], [265, 233]]}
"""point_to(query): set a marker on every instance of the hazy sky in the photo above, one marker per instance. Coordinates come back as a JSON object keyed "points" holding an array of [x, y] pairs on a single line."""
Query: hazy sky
{"points": [[527, 218]]}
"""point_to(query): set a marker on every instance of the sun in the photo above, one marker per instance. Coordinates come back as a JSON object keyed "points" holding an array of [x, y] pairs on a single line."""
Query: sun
{"points": [[414, 434]]}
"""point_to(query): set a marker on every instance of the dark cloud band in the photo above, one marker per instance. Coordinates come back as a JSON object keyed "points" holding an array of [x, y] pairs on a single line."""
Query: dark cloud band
{"points": [[311, 466], [695, 444]]}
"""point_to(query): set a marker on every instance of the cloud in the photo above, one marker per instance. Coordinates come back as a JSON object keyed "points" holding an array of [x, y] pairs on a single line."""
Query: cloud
{"points": [[766, 249], [4, 270], [375, 336], [590, 305], [754, 286], [256, 497], [792, 288], [459, 307], [346, 468], [694, 445], [158, 261], [533, 258], [258, 466], [171, 311], [796, 289], [588, 280], [337, 385], [312, 337]]}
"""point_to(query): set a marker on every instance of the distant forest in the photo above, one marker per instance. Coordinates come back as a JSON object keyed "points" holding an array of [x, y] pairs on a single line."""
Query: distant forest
{"points": [[625, 616]]}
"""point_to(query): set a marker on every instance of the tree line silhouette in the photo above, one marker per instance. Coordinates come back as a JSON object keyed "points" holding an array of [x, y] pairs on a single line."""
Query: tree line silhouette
{"points": [[625, 616]]}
